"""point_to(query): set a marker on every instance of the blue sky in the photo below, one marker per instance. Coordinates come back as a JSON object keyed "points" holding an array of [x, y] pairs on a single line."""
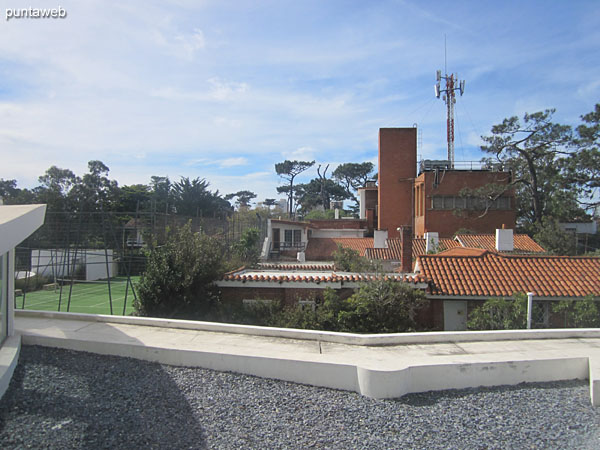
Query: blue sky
{"points": [[223, 90]]}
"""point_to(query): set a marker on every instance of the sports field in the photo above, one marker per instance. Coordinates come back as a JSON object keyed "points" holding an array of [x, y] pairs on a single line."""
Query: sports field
{"points": [[86, 297]]}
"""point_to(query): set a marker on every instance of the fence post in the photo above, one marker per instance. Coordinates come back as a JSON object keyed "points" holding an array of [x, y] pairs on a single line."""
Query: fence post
{"points": [[529, 308]]}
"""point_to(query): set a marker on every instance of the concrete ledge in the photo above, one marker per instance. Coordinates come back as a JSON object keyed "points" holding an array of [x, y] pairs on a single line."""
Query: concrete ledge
{"points": [[323, 374], [369, 382], [9, 356], [437, 377], [594, 376], [433, 337]]}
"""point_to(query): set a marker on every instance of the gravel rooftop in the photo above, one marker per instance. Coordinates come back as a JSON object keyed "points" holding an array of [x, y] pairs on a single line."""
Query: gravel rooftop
{"points": [[63, 399]]}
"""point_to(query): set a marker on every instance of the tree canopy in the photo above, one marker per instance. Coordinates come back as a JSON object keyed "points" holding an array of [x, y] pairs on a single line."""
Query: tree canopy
{"points": [[539, 154], [289, 170]]}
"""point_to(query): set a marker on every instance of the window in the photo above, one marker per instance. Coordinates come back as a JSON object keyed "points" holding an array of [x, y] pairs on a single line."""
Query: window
{"points": [[297, 236], [449, 202], [287, 236], [540, 314]]}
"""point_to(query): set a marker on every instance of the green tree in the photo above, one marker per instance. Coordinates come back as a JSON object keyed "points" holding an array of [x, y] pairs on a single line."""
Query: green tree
{"points": [[554, 239], [537, 151], [269, 202], [162, 195], [289, 170], [192, 197], [94, 191], [133, 197], [319, 192], [10, 194], [584, 166], [55, 186], [353, 176], [179, 276], [243, 198]]}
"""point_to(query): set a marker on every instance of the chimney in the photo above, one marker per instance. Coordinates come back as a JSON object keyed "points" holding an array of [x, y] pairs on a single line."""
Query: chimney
{"points": [[406, 255], [432, 242], [380, 238], [504, 240], [370, 220]]}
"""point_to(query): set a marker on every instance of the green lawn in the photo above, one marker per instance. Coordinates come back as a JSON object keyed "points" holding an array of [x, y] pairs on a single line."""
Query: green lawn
{"points": [[91, 298]]}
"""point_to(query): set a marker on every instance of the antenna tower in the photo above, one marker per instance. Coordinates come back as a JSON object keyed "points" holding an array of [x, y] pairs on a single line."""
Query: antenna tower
{"points": [[452, 85]]}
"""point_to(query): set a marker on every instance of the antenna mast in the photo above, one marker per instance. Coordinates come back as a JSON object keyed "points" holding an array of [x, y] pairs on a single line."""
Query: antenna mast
{"points": [[452, 85]]}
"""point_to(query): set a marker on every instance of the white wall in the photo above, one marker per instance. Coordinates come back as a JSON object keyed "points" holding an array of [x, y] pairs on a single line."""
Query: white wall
{"points": [[62, 264], [335, 233]]}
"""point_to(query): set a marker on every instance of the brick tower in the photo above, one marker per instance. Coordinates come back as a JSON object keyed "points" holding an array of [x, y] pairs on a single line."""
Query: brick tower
{"points": [[397, 173]]}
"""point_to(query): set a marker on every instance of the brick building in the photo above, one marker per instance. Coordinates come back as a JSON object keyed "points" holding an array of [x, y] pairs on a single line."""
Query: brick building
{"points": [[437, 199]]}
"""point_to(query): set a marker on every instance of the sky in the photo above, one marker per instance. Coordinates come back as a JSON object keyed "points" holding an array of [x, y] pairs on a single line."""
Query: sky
{"points": [[224, 90]]}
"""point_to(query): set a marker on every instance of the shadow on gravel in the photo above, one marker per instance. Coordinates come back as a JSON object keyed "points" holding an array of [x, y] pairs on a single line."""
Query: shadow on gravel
{"points": [[66, 399], [434, 397]]}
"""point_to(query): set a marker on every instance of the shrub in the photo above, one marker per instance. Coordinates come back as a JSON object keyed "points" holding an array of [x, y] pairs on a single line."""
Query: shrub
{"points": [[179, 276], [579, 313], [349, 260], [30, 284], [382, 306], [500, 314], [247, 249]]}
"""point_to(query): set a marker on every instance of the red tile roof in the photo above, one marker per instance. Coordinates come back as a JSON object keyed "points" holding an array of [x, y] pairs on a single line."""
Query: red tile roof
{"points": [[481, 273], [419, 245], [292, 266], [319, 249], [393, 252], [318, 278], [522, 242]]}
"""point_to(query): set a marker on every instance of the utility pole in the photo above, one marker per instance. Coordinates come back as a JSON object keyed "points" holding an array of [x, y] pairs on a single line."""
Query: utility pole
{"points": [[452, 85]]}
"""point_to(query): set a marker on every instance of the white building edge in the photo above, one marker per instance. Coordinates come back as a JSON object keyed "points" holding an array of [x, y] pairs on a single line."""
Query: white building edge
{"points": [[17, 222]]}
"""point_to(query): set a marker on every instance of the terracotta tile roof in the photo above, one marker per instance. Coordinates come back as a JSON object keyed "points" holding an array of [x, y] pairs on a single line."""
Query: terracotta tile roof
{"points": [[292, 266], [320, 249], [318, 278], [482, 273], [444, 244], [522, 242], [393, 252]]}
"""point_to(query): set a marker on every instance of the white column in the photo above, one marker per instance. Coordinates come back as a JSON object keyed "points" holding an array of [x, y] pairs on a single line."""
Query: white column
{"points": [[529, 308]]}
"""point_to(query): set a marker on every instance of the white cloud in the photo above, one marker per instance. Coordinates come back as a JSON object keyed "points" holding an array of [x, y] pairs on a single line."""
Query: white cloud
{"points": [[301, 154], [225, 90], [233, 162]]}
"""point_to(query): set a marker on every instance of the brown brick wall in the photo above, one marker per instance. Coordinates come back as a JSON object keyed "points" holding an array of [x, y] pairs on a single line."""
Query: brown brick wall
{"points": [[448, 222], [397, 170]]}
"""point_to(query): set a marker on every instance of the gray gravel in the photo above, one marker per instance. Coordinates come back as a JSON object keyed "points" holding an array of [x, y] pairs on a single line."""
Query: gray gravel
{"points": [[64, 399]]}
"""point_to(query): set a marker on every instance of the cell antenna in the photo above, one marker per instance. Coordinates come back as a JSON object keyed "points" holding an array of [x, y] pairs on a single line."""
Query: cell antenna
{"points": [[453, 84]]}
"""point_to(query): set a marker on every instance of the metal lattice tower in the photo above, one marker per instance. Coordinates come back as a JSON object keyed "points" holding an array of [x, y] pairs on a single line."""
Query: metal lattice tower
{"points": [[449, 97]]}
